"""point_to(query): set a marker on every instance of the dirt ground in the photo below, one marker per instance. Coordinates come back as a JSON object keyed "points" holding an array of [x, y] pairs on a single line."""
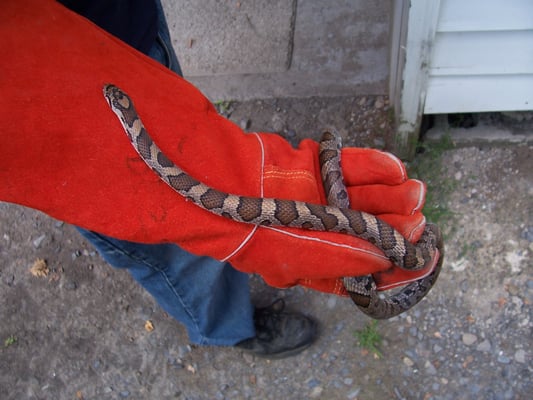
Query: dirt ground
{"points": [[80, 330]]}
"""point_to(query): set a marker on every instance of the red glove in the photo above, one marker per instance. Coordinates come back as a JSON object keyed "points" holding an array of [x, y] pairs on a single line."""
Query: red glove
{"points": [[64, 152]]}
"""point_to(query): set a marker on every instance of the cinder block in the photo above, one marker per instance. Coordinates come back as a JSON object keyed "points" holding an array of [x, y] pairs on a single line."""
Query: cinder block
{"points": [[217, 37]]}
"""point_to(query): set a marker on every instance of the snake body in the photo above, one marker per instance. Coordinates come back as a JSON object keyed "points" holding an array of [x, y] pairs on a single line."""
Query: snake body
{"points": [[288, 213], [363, 289]]}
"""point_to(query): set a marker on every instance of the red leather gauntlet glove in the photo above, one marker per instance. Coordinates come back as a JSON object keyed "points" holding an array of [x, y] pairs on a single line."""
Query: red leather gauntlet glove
{"points": [[64, 152]]}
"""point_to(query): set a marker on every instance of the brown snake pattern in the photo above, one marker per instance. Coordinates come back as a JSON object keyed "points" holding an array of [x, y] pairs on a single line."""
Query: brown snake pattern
{"points": [[287, 213], [362, 289]]}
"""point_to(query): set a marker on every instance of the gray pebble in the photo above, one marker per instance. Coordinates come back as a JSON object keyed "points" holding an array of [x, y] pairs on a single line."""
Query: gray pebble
{"points": [[430, 368], [339, 327], [184, 350], [413, 331], [316, 392], [527, 233], [244, 124], [353, 394], [503, 359], [37, 242], [332, 302], [348, 381], [278, 123], [469, 338], [379, 143], [484, 346], [520, 356], [313, 382]]}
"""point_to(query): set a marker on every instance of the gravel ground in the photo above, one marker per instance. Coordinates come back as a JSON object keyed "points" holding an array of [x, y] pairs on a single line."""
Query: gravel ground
{"points": [[81, 332]]}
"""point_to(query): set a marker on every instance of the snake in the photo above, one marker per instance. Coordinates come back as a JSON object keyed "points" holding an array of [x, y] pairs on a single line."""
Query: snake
{"points": [[363, 289], [297, 214]]}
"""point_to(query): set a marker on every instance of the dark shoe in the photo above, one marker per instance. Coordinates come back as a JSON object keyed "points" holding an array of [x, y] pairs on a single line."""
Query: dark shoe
{"points": [[279, 334]]}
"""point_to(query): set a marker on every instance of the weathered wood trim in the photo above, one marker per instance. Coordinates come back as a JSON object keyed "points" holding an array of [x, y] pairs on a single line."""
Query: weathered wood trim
{"points": [[421, 28], [400, 14]]}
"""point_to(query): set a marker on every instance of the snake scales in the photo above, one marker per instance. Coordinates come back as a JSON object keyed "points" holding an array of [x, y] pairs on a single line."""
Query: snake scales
{"points": [[276, 212]]}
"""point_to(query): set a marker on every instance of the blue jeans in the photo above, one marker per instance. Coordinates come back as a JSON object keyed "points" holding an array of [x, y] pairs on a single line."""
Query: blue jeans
{"points": [[209, 297]]}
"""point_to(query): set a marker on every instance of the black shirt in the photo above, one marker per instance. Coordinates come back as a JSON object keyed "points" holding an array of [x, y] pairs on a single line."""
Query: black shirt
{"points": [[132, 21]]}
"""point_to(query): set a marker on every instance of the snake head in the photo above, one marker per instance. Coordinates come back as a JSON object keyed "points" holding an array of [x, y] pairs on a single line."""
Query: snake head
{"points": [[120, 103]]}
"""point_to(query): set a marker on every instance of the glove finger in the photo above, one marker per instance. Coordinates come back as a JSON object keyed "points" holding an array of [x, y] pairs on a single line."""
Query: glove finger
{"points": [[362, 166], [403, 199], [410, 226]]}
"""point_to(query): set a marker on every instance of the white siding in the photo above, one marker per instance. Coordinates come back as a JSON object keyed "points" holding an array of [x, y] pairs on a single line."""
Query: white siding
{"points": [[482, 57]]}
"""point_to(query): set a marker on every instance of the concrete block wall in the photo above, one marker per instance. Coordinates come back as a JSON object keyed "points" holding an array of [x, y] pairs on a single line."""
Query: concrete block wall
{"points": [[248, 49]]}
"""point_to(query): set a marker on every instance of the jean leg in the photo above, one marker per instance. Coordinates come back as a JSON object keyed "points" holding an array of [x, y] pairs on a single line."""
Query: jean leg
{"points": [[210, 298], [162, 49]]}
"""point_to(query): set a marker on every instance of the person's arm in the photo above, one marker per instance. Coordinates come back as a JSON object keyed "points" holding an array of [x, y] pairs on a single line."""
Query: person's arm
{"points": [[64, 152]]}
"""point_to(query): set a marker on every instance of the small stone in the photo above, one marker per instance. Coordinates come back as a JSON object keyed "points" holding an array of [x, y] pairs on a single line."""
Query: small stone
{"points": [[513, 289], [520, 356], [484, 346], [430, 368], [71, 285], [184, 350], [379, 103], [37, 242], [249, 358], [244, 124], [408, 362], [124, 394], [348, 381], [316, 392], [469, 339], [278, 124], [339, 327], [413, 331], [332, 302], [313, 382], [503, 359], [353, 394], [527, 234]]}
